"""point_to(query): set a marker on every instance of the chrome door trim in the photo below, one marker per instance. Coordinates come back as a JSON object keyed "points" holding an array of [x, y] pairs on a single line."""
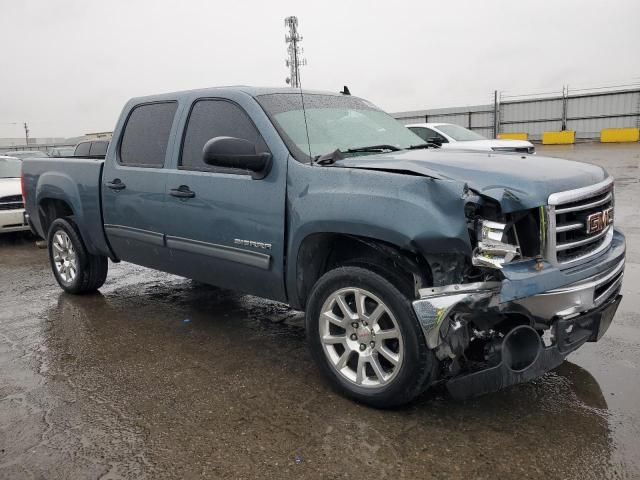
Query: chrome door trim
{"points": [[139, 234], [232, 254]]}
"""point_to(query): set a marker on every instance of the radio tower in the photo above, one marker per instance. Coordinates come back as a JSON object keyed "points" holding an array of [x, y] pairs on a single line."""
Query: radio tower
{"points": [[295, 60]]}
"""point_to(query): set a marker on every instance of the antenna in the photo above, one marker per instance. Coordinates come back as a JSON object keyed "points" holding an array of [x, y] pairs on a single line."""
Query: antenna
{"points": [[294, 62]]}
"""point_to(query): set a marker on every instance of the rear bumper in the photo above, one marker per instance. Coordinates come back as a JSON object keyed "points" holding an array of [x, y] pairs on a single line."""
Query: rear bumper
{"points": [[13, 221]]}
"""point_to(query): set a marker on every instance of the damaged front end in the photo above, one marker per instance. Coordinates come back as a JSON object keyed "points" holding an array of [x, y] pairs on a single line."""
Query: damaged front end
{"points": [[500, 238], [485, 344], [518, 312]]}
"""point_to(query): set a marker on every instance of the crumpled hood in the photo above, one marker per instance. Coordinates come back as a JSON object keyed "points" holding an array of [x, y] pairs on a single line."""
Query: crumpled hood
{"points": [[516, 181]]}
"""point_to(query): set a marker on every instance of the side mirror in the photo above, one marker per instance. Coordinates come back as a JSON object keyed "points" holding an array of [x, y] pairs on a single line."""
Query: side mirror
{"points": [[435, 140], [231, 152]]}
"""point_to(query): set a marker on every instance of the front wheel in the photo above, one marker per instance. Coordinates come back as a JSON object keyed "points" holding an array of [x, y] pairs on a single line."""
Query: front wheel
{"points": [[365, 337], [75, 269]]}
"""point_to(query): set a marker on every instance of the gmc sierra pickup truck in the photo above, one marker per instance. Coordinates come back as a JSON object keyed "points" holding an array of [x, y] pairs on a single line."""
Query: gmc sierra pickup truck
{"points": [[415, 266]]}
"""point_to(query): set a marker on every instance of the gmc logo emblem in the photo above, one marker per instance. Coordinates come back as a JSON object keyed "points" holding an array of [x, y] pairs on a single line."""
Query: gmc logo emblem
{"points": [[596, 222]]}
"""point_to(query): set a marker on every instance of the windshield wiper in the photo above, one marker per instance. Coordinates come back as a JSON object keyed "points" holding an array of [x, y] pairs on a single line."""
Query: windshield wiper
{"points": [[328, 158], [332, 157], [373, 148], [423, 145]]}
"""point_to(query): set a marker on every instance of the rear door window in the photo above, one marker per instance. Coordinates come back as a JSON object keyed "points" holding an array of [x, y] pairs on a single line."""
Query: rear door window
{"points": [[216, 118], [146, 135]]}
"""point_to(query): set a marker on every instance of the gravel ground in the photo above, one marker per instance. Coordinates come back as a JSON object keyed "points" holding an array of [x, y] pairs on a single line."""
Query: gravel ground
{"points": [[159, 377]]}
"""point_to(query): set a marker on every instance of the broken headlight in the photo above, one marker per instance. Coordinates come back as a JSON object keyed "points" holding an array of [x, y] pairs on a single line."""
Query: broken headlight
{"points": [[493, 248]]}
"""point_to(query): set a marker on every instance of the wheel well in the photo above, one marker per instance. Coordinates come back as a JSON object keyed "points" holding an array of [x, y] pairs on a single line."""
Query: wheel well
{"points": [[322, 252], [49, 209]]}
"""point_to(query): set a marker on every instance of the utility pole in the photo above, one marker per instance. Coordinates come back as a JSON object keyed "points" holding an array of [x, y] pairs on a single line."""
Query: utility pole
{"points": [[295, 60], [565, 101], [26, 133], [496, 114]]}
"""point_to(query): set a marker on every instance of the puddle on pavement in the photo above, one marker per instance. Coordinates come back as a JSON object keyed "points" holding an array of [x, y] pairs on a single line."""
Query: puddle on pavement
{"points": [[234, 390]]}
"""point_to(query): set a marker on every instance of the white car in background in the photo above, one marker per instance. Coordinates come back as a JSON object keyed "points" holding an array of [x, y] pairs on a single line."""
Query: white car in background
{"points": [[449, 135], [12, 216]]}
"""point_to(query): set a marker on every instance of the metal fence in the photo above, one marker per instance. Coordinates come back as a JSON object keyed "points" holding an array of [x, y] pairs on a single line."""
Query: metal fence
{"points": [[44, 147], [585, 112]]}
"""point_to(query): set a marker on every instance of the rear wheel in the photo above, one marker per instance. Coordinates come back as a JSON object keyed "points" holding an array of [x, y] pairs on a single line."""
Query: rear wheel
{"points": [[366, 339], [75, 269]]}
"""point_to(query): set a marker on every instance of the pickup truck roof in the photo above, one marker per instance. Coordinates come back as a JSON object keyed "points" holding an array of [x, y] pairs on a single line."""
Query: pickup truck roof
{"points": [[213, 91]]}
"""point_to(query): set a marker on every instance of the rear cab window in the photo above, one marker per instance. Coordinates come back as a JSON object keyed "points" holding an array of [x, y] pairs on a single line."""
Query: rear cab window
{"points": [[98, 149], [146, 135], [82, 149]]}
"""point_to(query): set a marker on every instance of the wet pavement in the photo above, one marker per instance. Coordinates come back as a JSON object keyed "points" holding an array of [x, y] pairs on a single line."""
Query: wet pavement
{"points": [[159, 377]]}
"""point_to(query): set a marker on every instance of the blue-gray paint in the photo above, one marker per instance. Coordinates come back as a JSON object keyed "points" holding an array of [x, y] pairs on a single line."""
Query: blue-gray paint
{"points": [[76, 182], [232, 254], [411, 199], [138, 234], [528, 179], [523, 280]]}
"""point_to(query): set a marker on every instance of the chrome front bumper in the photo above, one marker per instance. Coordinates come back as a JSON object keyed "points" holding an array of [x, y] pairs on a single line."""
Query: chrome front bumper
{"points": [[435, 305], [577, 298], [13, 221]]}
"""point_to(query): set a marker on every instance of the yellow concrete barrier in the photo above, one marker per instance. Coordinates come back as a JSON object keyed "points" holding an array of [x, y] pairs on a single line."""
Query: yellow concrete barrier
{"points": [[513, 136], [559, 138], [616, 135]]}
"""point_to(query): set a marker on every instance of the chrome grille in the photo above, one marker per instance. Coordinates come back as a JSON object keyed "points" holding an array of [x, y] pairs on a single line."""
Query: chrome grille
{"points": [[568, 240], [13, 202]]}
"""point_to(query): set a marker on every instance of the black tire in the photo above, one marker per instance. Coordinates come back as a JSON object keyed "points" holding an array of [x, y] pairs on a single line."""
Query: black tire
{"points": [[418, 367], [91, 270]]}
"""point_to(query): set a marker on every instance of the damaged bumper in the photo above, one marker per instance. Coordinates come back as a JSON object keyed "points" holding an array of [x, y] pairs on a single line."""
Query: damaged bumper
{"points": [[525, 357], [575, 306]]}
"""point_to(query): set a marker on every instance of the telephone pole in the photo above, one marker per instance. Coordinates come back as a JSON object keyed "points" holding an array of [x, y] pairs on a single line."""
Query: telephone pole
{"points": [[295, 60], [26, 133]]}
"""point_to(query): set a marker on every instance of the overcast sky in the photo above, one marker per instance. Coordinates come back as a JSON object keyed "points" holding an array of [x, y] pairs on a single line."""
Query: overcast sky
{"points": [[68, 66]]}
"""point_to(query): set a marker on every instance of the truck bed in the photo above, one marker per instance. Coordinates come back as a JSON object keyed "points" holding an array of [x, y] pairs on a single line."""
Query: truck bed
{"points": [[77, 183]]}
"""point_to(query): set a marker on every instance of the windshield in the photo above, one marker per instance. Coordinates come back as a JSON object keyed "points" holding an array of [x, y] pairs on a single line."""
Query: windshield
{"points": [[334, 122], [459, 133], [10, 168]]}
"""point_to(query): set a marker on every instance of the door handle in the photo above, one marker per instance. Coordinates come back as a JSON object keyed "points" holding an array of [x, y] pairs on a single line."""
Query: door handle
{"points": [[116, 184], [182, 191]]}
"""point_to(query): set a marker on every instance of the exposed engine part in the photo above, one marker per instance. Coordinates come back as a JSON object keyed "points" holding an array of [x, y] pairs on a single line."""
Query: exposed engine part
{"points": [[437, 303], [454, 336]]}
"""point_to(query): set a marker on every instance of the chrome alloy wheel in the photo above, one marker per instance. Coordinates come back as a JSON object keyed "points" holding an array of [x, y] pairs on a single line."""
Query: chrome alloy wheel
{"points": [[64, 256], [361, 337]]}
